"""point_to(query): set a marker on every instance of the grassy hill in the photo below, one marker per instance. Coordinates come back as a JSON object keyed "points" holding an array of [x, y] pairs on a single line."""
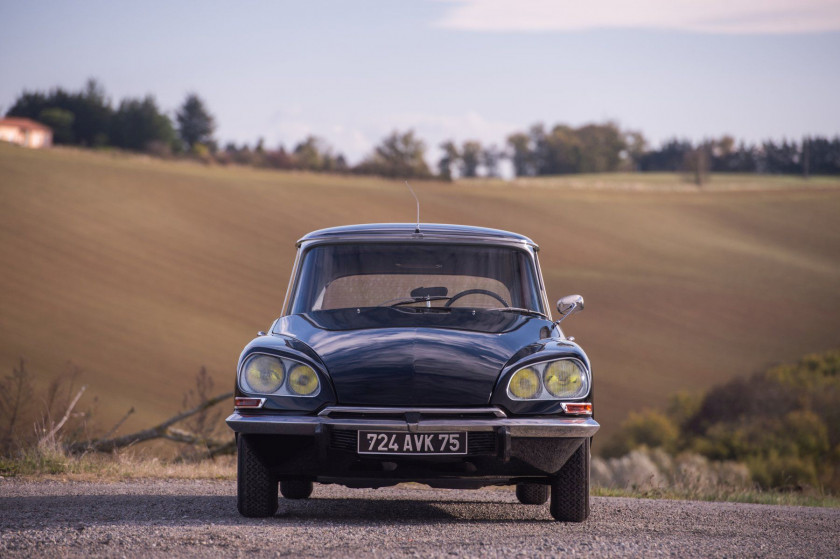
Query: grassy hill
{"points": [[140, 271]]}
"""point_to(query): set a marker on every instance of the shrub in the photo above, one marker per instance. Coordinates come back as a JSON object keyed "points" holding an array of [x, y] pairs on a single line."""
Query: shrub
{"points": [[784, 424], [648, 428]]}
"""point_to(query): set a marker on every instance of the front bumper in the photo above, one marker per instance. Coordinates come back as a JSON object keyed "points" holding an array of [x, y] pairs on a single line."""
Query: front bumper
{"points": [[324, 447], [415, 420]]}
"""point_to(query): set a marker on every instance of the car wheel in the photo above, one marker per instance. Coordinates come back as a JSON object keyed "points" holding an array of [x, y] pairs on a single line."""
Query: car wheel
{"points": [[295, 489], [570, 488], [531, 493], [256, 487]]}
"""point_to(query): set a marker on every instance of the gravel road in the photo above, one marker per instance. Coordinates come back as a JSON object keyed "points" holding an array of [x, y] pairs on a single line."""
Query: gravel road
{"points": [[199, 519]]}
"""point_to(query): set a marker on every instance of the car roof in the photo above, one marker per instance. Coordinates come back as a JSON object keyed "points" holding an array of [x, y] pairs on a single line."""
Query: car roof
{"points": [[430, 231]]}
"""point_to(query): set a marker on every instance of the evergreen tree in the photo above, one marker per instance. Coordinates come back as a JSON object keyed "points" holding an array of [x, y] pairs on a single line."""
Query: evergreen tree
{"points": [[195, 123], [139, 125]]}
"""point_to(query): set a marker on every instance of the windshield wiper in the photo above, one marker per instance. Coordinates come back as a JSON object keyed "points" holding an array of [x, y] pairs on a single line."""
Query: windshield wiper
{"points": [[527, 312], [420, 310]]}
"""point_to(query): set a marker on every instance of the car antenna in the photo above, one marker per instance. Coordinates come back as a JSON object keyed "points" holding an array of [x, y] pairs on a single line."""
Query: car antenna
{"points": [[417, 227]]}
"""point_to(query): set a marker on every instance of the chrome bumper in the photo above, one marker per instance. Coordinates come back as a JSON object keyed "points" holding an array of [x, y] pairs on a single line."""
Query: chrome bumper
{"points": [[560, 427]]}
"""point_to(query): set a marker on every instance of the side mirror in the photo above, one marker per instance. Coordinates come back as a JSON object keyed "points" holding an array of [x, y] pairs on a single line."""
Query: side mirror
{"points": [[569, 305]]}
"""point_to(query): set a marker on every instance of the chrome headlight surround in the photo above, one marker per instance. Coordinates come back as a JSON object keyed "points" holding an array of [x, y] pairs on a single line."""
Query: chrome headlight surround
{"points": [[541, 393], [295, 376]]}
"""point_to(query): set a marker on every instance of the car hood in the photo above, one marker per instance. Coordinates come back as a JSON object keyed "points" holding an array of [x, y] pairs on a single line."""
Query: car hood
{"points": [[412, 366]]}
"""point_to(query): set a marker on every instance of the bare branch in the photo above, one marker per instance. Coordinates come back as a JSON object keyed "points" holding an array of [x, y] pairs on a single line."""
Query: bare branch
{"points": [[64, 419], [213, 447], [181, 436], [156, 432], [119, 424]]}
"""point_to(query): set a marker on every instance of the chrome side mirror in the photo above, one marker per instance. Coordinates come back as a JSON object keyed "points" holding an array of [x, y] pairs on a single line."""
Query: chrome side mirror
{"points": [[569, 305]]}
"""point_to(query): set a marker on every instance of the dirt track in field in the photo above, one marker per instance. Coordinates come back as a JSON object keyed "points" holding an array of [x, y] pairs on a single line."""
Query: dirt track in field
{"points": [[199, 519]]}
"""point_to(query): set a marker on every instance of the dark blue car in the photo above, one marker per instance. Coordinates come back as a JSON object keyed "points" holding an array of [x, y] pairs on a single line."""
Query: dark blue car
{"points": [[421, 353]]}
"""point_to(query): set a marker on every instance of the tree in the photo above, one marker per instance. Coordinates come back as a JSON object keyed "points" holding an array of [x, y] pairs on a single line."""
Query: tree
{"points": [[195, 123], [90, 109], [139, 125], [309, 154], [636, 147], [697, 164], [399, 155], [314, 154], [670, 157], [470, 158], [601, 147], [559, 152], [279, 158], [61, 122], [450, 158], [824, 155], [780, 158], [336, 163], [491, 157], [593, 148], [30, 104], [93, 114], [521, 156]]}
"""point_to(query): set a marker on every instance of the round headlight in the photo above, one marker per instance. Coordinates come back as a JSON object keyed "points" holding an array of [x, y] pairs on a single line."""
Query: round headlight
{"points": [[563, 379], [264, 374], [525, 383], [303, 380]]}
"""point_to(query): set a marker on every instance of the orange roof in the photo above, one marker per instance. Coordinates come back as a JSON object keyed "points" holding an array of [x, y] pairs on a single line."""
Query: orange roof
{"points": [[23, 123]]}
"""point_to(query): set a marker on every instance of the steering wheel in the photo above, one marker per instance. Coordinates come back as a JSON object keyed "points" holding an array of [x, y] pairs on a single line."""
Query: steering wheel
{"points": [[475, 292]]}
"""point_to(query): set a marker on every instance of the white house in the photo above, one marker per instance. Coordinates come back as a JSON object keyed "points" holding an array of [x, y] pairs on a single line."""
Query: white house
{"points": [[25, 132]]}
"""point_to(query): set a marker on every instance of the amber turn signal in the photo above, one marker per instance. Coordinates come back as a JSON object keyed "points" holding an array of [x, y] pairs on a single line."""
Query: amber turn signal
{"points": [[577, 408], [248, 402]]}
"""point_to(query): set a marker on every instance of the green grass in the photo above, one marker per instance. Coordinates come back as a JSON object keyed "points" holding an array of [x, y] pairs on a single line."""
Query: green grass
{"points": [[34, 463], [734, 496], [140, 271]]}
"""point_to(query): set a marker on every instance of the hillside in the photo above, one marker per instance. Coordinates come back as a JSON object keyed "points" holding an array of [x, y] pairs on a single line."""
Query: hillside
{"points": [[140, 271]]}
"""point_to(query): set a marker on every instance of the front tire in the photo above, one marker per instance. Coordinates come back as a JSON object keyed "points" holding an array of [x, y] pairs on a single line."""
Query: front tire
{"points": [[570, 488], [256, 487], [295, 489], [531, 493]]}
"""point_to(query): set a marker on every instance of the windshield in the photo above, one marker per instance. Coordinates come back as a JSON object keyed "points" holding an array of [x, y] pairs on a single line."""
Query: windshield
{"points": [[415, 277]]}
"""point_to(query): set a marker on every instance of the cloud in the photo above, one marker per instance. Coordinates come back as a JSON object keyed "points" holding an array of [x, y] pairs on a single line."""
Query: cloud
{"points": [[436, 128], [702, 16], [357, 140]]}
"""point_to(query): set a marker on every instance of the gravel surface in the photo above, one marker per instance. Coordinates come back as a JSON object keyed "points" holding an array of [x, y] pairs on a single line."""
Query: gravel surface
{"points": [[199, 519]]}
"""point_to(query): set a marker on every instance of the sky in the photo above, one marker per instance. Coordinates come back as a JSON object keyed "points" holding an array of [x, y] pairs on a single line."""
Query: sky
{"points": [[352, 71]]}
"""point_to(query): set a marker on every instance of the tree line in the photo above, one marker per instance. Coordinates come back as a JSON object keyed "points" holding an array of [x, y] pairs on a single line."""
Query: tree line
{"points": [[88, 118]]}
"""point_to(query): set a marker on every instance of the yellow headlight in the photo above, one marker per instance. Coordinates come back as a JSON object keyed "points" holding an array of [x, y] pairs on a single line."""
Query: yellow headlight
{"points": [[525, 383], [303, 380], [563, 379], [264, 374]]}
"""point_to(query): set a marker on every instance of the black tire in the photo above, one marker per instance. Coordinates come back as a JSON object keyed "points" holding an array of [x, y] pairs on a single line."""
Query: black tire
{"points": [[295, 489], [570, 488], [256, 488], [532, 493]]}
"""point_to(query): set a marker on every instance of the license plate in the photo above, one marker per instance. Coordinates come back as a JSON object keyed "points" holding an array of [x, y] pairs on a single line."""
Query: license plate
{"points": [[377, 442]]}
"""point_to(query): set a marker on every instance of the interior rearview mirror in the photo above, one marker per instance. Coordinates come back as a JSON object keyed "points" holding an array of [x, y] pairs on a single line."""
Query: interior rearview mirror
{"points": [[429, 292]]}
